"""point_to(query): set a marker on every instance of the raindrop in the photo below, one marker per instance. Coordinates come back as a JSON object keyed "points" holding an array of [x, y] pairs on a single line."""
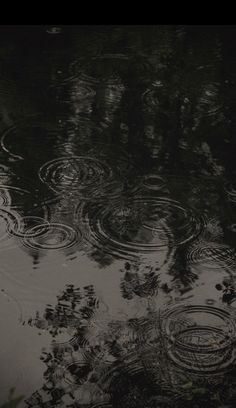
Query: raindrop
{"points": [[140, 225], [25, 225], [75, 173], [53, 236], [200, 338], [153, 182], [211, 255], [54, 30]]}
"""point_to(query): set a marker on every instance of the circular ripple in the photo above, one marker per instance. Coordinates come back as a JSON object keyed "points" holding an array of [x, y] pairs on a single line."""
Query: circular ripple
{"points": [[75, 173], [153, 182], [208, 103], [9, 220], [27, 224], [5, 198], [13, 197], [77, 372], [212, 256], [139, 225], [230, 190], [24, 140], [5, 174], [200, 338], [66, 340], [4, 146], [54, 30], [52, 236], [73, 92]]}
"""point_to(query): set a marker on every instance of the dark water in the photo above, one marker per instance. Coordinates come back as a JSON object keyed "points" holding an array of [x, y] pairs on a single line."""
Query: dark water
{"points": [[118, 216]]}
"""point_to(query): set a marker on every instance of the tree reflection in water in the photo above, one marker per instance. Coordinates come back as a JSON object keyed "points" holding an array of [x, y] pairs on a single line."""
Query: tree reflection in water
{"points": [[98, 361], [118, 143]]}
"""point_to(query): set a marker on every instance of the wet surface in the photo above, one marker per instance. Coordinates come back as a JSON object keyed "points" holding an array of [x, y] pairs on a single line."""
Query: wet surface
{"points": [[117, 216]]}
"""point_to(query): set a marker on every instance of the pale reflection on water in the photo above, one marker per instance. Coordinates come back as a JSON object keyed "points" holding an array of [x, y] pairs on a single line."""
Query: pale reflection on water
{"points": [[117, 216]]}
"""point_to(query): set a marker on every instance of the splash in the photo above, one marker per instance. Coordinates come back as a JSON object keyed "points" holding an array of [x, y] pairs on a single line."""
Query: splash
{"points": [[76, 173]]}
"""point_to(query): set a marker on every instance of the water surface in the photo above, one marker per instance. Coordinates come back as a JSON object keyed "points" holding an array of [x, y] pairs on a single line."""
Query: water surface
{"points": [[118, 216]]}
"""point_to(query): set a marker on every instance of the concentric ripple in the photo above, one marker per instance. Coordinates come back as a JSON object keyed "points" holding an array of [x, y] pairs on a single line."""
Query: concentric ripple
{"points": [[13, 197], [75, 173], [5, 198], [25, 225], [77, 372], [153, 182], [9, 220], [25, 138], [53, 236], [212, 255], [140, 225], [209, 101], [201, 338]]}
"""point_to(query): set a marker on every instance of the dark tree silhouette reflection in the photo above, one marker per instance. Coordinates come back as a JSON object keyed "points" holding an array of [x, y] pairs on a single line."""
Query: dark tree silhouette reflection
{"points": [[118, 144], [99, 361], [138, 281]]}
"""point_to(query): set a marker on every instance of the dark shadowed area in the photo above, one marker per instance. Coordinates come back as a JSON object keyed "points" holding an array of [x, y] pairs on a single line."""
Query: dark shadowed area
{"points": [[118, 216]]}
